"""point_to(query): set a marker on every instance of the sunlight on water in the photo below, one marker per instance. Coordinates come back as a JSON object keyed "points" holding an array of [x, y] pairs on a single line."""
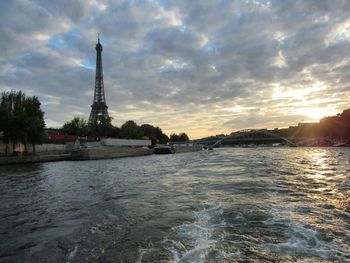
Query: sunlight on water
{"points": [[226, 205]]}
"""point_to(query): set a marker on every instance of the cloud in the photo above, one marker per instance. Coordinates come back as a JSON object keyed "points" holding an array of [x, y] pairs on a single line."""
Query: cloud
{"points": [[200, 67]]}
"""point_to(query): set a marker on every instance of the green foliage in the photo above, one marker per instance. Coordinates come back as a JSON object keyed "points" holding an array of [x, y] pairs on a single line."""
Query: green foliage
{"points": [[80, 127], [174, 137], [21, 118], [35, 123], [130, 130], [102, 128], [77, 126], [336, 127], [164, 139], [114, 132], [182, 137], [155, 134]]}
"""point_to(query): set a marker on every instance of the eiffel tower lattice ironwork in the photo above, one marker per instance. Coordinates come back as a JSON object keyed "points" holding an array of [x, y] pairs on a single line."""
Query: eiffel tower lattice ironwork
{"points": [[98, 107]]}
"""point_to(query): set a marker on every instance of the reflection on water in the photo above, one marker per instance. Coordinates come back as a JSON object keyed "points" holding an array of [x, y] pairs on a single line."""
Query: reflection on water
{"points": [[226, 205]]}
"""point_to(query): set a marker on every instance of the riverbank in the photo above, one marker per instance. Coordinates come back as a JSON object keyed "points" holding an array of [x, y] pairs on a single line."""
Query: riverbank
{"points": [[186, 148], [8, 160], [93, 153], [81, 155], [106, 152]]}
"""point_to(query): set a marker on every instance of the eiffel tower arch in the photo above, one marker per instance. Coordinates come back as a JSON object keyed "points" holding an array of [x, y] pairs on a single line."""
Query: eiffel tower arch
{"points": [[99, 106]]}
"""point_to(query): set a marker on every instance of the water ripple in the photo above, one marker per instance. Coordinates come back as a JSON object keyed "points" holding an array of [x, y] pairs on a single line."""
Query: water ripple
{"points": [[226, 205]]}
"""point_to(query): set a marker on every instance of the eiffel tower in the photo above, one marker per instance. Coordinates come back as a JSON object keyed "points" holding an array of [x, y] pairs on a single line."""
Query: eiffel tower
{"points": [[98, 107]]}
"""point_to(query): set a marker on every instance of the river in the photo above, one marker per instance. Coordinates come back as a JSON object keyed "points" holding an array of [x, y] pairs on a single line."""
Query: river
{"points": [[265, 204]]}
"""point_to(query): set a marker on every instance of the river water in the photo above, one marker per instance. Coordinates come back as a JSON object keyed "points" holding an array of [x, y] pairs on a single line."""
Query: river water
{"points": [[227, 205]]}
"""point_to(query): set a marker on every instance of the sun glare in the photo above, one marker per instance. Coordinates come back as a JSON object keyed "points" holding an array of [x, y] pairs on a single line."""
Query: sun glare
{"points": [[313, 114]]}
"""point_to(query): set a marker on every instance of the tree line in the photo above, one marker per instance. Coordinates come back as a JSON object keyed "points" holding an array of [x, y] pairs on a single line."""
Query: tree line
{"points": [[336, 127], [129, 130], [21, 119]]}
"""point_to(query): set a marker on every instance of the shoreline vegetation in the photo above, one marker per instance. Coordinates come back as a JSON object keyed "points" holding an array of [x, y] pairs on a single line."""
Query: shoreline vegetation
{"points": [[329, 131], [332, 129], [22, 127]]}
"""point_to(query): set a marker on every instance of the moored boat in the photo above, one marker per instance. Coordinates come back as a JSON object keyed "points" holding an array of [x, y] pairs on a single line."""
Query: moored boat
{"points": [[164, 149]]}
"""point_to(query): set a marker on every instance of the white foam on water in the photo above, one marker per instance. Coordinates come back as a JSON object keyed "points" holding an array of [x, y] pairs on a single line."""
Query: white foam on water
{"points": [[93, 230], [193, 241], [301, 238], [230, 255], [303, 242], [72, 254], [142, 252]]}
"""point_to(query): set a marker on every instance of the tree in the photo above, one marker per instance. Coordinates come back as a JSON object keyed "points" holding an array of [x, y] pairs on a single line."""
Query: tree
{"points": [[5, 117], [17, 116], [77, 126], [149, 132], [34, 119], [130, 130], [12, 104], [155, 134], [114, 132], [174, 137], [161, 137], [336, 126], [21, 118], [164, 138], [182, 137], [102, 127]]}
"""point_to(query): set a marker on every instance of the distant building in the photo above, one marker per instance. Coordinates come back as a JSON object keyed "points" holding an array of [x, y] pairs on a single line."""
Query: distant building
{"points": [[307, 124]]}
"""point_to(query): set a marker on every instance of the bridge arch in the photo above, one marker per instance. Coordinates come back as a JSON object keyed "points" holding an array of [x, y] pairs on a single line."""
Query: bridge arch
{"points": [[252, 135]]}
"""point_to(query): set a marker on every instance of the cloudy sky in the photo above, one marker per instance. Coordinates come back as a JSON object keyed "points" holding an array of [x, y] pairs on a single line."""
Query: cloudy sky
{"points": [[200, 67]]}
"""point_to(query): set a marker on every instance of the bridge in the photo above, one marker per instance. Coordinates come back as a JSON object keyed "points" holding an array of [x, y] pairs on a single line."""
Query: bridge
{"points": [[246, 137]]}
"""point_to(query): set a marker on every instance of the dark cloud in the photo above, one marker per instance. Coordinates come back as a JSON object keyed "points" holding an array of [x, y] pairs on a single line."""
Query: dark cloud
{"points": [[201, 67]]}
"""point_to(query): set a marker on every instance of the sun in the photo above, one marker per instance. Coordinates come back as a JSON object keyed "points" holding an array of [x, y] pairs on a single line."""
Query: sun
{"points": [[314, 113]]}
